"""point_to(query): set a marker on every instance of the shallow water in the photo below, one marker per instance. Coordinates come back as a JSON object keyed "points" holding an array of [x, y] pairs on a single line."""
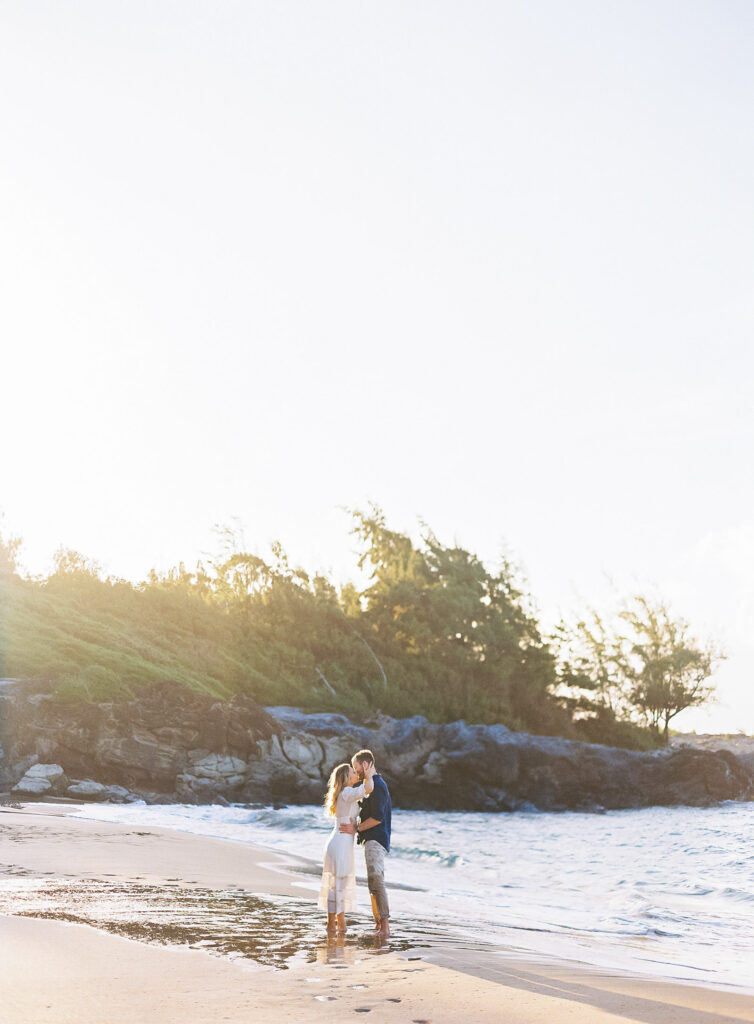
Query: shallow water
{"points": [[662, 891], [272, 931]]}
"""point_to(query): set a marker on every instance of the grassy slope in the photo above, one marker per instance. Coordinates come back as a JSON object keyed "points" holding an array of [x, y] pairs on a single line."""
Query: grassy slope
{"points": [[98, 640], [101, 641]]}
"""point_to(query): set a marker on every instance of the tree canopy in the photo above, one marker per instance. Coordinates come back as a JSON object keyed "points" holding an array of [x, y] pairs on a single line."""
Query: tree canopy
{"points": [[644, 668]]}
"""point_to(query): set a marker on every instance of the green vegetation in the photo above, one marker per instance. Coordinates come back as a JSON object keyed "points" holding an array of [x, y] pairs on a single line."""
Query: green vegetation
{"points": [[646, 668], [434, 632]]}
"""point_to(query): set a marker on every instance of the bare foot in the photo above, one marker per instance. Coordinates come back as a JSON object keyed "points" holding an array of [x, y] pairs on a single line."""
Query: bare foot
{"points": [[384, 929]]}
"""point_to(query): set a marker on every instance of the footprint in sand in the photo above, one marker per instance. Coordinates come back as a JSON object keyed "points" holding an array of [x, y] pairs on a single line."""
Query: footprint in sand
{"points": [[393, 999], [363, 1009]]}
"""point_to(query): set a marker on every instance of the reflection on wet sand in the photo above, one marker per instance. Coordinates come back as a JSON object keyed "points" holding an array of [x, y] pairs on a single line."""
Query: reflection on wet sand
{"points": [[270, 930], [349, 949]]}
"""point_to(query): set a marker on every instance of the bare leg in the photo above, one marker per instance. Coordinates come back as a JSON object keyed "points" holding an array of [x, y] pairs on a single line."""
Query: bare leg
{"points": [[331, 923], [342, 923], [375, 912]]}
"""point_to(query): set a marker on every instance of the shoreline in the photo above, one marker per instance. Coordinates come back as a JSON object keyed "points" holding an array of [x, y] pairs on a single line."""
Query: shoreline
{"points": [[47, 855], [554, 930]]}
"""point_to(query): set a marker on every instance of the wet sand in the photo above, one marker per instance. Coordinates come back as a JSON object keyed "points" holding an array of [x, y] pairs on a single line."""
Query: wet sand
{"points": [[105, 922]]}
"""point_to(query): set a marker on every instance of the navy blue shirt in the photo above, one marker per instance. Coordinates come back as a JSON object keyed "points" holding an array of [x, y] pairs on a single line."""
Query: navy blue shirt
{"points": [[378, 806]]}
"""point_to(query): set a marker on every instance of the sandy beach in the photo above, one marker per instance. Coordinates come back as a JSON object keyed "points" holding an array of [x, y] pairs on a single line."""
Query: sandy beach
{"points": [[108, 922]]}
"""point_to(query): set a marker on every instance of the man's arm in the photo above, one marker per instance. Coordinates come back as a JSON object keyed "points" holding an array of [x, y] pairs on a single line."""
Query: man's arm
{"points": [[350, 830]]}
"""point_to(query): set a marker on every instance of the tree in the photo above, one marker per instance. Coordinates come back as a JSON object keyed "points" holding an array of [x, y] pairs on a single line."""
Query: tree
{"points": [[666, 667], [72, 563], [9, 555], [457, 636], [591, 669], [646, 666]]}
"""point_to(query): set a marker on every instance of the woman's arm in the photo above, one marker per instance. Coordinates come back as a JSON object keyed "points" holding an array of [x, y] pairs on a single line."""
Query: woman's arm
{"points": [[359, 792], [367, 786]]}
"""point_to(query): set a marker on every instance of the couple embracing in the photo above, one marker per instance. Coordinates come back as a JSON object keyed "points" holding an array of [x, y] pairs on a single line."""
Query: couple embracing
{"points": [[359, 801]]}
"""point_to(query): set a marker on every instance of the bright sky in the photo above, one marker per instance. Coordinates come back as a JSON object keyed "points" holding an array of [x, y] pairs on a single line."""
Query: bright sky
{"points": [[489, 264]]}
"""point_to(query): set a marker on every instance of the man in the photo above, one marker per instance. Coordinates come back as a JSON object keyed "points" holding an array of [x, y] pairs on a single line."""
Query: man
{"points": [[373, 831]]}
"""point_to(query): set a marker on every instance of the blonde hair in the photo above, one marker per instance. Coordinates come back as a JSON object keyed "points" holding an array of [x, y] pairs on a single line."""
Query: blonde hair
{"points": [[339, 778]]}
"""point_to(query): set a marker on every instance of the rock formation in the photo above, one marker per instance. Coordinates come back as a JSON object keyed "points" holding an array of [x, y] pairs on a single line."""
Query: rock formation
{"points": [[176, 745]]}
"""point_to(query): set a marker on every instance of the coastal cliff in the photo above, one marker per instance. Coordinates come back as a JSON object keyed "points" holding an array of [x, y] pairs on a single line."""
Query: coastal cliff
{"points": [[177, 745]]}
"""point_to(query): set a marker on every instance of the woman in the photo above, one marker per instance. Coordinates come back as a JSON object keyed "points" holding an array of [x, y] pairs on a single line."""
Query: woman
{"points": [[338, 892]]}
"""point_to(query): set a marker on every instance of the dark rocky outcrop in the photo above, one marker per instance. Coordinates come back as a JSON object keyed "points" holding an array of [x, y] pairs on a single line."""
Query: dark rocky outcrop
{"points": [[174, 744]]}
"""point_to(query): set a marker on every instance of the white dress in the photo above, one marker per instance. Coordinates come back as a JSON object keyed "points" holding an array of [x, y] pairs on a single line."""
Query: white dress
{"points": [[338, 892]]}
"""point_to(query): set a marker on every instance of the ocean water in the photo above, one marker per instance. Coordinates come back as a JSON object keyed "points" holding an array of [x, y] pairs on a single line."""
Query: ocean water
{"points": [[667, 892]]}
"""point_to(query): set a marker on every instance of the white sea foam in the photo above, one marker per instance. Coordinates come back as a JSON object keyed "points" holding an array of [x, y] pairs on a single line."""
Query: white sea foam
{"points": [[662, 891]]}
